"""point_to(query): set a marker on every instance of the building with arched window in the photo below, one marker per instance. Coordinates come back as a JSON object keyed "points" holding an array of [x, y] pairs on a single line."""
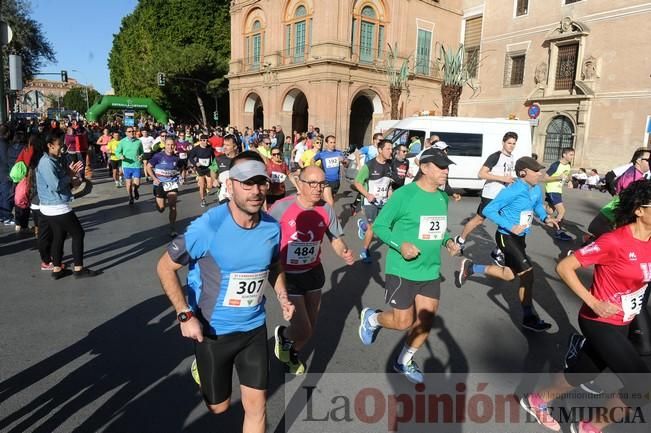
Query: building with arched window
{"points": [[581, 64], [297, 63]]}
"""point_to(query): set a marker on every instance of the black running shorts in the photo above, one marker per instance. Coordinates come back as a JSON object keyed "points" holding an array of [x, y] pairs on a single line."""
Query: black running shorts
{"points": [[203, 171], [161, 193], [400, 293], [309, 281], [483, 202], [515, 256], [217, 354]]}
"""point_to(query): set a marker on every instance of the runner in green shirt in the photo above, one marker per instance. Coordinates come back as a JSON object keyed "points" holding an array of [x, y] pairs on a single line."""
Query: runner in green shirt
{"points": [[130, 151], [413, 223]]}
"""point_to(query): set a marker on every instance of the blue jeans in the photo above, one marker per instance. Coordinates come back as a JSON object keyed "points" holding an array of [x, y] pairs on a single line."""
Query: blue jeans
{"points": [[6, 198]]}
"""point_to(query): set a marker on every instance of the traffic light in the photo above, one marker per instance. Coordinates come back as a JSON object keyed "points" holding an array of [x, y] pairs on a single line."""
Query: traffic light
{"points": [[64, 76], [161, 79]]}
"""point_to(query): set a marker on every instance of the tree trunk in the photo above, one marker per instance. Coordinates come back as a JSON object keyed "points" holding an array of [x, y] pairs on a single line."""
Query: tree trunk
{"points": [[456, 96], [203, 110], [445, 100], [395, 93]]}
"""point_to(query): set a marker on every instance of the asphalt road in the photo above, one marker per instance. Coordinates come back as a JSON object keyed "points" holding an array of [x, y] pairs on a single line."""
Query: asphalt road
{"points": [[105, 354]]}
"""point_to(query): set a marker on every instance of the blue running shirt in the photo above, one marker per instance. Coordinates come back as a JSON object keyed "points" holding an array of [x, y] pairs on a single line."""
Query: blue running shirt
{"points": [[228, 267], [166, 167], [330, 162]]}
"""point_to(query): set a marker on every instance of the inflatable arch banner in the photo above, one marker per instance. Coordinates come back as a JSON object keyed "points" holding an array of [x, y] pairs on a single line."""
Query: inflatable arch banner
{"points": [[122, 103]]}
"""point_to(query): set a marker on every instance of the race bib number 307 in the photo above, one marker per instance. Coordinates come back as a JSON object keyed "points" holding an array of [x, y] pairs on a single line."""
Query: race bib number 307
{"points": [[432, 228], [245, 290]]}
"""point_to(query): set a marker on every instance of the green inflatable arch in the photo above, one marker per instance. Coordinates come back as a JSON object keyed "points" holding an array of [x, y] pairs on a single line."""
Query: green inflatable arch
{"points": [[122, 102]]}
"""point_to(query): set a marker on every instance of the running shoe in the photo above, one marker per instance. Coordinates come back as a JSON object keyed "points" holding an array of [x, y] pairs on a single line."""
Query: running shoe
{"points": [[195, 372], [592, 387], [457, 240], [130, 201], [203, 203], [46, 266], [465, 271], [537, 407], [574, 346], [498, 257], [368, 333], [296, 366], [535, 323], [9, 222], [173, 233], [136, 194], [362, 226], [117, 184], [85, 273], [562, 236], [583, 427], [411, 371], [283, 346], [365, 256]]}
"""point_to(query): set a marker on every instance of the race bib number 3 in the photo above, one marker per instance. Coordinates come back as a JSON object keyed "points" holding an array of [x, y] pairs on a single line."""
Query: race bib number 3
{"points": [[245, 290], [432, 228], [526, 218], [302, 253], [632, 304]]}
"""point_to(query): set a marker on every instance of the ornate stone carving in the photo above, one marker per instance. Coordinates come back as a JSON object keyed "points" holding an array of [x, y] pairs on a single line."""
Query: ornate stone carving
{"points": [[566, 25], [589, 71], [540, 76]]}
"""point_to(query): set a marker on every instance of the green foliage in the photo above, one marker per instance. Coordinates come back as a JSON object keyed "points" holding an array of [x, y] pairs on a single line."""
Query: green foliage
{"points": [[397, 74], [455, 66], [75, 98], [188, 40], [28, 41]]}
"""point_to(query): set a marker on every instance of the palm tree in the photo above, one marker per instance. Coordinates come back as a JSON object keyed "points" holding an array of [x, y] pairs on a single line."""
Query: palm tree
{"points": [[456, 67], [397, 78]]}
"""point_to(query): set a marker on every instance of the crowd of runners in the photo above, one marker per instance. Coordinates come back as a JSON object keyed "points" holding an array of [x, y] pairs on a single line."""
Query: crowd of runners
{"points": [[253, 234]]}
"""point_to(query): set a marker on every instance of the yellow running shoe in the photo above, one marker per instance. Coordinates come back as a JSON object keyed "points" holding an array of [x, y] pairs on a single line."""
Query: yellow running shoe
{"points": [[295, 365]]}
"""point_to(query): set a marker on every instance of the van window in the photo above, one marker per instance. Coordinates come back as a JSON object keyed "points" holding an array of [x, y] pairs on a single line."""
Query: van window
{"points": [[403, 136], [462, 144]]}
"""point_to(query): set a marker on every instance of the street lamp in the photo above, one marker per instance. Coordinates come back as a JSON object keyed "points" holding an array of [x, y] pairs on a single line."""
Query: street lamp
{"points": [[85, 88]]}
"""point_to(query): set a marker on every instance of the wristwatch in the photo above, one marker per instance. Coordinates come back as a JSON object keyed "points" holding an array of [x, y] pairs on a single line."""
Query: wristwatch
{"points": [[184, 316]]}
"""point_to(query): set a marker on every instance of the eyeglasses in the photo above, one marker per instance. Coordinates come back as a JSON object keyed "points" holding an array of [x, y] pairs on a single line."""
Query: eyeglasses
{"points": [[314, 184], [247, 185], [275, 154], [266, 142]]}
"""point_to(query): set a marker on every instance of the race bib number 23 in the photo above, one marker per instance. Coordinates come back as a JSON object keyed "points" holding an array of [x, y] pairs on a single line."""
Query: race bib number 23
{"points": [[245, 290], [432, 228]]}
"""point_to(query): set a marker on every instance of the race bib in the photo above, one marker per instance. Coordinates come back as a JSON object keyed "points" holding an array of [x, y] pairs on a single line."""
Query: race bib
{"points": [[332, 162], [245, 290], [526, 218], [277, 177], [432, 228], [169, 186], [302, 253], [183, 155], [204, 162], [379, 188], [632, 303]]}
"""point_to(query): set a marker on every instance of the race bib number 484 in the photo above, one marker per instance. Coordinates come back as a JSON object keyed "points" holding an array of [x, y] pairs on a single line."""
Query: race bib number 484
{"points": [[245, 290], [302, 253]]}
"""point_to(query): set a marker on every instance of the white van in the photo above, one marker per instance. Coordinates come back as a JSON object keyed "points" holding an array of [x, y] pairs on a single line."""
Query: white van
{"points": [[470, 139]]}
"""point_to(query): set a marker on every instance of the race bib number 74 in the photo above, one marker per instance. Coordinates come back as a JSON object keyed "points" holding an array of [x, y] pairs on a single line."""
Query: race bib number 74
{"points": [[245, 290]]}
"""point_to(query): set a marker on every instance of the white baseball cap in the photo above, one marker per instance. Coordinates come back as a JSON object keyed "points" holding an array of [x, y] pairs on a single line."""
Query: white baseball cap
{"points": [[440, 145]]}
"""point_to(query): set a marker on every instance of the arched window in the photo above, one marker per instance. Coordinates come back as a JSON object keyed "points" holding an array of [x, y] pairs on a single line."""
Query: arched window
{"points": [[560, 134], [368, 34], [298, 35], [253, 44]]}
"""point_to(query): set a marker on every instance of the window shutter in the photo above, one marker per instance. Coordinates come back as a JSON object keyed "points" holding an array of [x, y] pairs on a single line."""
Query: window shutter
{"points": [[353, 35], [472, 37], [288, 39]]}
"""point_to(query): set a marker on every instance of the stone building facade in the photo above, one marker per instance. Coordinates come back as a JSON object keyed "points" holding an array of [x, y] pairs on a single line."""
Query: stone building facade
{"points": [[296, 63], [584, 63], [38, 95]]}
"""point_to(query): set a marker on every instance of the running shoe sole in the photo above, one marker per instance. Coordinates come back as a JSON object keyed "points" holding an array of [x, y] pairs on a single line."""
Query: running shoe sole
{"points": [[532, 329], [361, 325], [459, 279], [527, 407]]}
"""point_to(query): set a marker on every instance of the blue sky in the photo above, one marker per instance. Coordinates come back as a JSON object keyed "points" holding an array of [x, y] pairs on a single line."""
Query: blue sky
{"points": [[81, 34]]}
